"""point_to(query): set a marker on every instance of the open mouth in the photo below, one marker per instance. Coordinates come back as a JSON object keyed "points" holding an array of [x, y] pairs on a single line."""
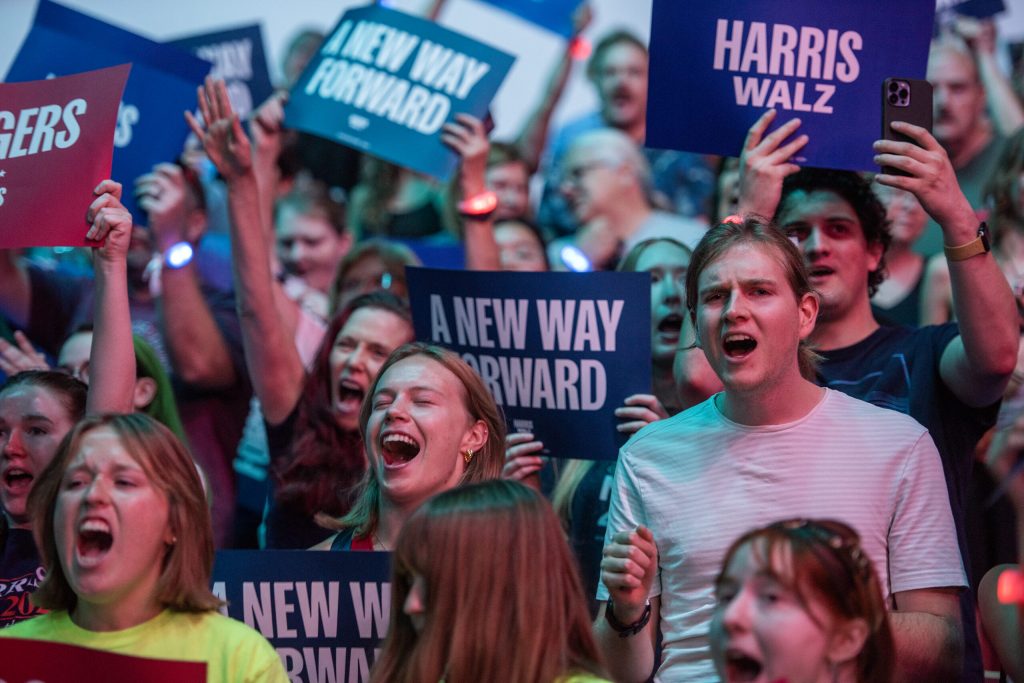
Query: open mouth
{"points": [[398, 449], [350, 396], [741, 667], [819, 271], [94, 542], [738, 346], [18, 480], [670, 325]]}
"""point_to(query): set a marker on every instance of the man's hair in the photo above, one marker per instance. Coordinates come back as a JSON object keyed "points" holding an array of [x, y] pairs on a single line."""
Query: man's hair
{"points": [[615, 147], [724, 237], [607, 42], [856, 191], [184, 581], [504, 597]]}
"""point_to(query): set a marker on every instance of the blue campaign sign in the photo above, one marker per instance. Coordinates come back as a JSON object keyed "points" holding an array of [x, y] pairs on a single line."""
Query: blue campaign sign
{"points": [[324, 612], [979, 9], [239, 58], [150, 125], [558, 351], [716, 66], [385, 82], [554, 15]]}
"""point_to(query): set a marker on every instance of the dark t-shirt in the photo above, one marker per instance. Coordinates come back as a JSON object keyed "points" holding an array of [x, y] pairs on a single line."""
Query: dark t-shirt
{"points": [[588, 522], [898, 368], [20, 575]]}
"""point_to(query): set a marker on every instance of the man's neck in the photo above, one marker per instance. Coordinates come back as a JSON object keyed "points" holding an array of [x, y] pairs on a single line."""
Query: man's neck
{"points": [[637, 131], [856, 325], [783, 403], [627, 215], [963, 152]]}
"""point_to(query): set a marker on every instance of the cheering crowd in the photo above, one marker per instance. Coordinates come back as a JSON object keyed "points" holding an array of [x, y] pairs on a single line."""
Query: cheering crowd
{"points": [[822, 484]]}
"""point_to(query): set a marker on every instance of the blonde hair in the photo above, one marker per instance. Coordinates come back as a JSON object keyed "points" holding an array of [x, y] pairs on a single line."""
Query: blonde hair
{"points": [[184, 582], [478, 404]]}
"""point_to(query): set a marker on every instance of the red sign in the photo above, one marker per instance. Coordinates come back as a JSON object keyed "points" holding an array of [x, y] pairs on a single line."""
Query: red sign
{"points": [[38, 661], [56, 143]]}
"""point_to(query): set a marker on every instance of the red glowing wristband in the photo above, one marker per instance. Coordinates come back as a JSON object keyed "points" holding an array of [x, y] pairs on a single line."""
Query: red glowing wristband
{"points": [[478, 207]]}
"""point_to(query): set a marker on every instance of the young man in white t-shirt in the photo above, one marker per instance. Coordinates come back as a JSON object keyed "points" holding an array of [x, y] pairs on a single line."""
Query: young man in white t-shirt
{"points": [[772, 445]]}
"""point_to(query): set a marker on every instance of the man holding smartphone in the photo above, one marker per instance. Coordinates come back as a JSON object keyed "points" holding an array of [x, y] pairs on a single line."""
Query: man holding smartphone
{"points": [[949, 378]]}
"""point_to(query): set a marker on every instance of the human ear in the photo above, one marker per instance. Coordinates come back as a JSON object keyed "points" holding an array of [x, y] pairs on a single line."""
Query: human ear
{"points": [[144, 393], [847, 641], [475, 437], [808, 309]]}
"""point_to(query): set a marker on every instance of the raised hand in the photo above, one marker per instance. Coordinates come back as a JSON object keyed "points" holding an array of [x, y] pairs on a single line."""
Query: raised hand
{"points": [[162, 195], [224, 139], [765, 163], [21, 356], [110, 223], [628, 568], [931, 176], [521, 460]]}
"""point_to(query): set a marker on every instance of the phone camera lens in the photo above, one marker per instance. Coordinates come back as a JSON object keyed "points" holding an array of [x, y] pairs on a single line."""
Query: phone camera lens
{"points": [[893, 99], [893, 86], [904, 94]]}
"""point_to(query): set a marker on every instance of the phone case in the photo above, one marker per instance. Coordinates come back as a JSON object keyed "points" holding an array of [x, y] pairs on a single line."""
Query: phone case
{"points": [[905, 99]]}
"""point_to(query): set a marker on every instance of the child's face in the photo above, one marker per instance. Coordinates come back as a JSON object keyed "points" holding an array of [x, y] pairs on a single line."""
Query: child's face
{"points": [[761, 631]]}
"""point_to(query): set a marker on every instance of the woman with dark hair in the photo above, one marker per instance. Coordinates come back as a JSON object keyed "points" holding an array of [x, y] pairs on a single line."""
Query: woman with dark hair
{"points": [[317, 452], [799, 601], [124, 531], [486, 589], [312, 418], [428, 424]]}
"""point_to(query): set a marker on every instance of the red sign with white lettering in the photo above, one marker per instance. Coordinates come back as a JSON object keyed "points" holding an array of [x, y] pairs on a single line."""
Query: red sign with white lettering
{"points": [[56, 143], [37, 661]]}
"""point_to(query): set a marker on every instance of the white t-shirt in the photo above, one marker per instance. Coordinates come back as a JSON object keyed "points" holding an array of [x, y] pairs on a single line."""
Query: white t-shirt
{"points": [[699, 481]]}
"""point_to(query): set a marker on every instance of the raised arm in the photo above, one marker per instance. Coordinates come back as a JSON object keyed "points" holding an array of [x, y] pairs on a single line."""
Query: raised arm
{"points": [[272, 360], [1003, 104], [467, 137], [198, 352], [977, 365], [534, 136], [112, 358], [15, 288], [765, 163]]}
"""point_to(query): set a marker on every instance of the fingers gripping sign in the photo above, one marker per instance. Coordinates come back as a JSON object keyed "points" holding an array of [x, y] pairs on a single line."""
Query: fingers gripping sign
{"points": [[224, 139], [521, 460], [639, 410], [628, 568]]}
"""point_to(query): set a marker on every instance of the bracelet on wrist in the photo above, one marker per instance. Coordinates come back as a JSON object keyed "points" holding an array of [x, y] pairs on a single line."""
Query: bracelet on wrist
{"points": [[179, 255], [627, 630], [478, 207]]}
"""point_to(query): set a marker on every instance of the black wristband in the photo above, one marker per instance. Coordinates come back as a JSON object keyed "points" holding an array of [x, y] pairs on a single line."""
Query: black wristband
{"points": [[627, 630]]}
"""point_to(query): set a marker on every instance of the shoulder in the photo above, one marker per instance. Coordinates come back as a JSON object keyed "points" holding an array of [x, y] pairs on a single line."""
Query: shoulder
{"points": [[675, 432], [47, 626], [856, 415], [216, 629], [581, 678]]}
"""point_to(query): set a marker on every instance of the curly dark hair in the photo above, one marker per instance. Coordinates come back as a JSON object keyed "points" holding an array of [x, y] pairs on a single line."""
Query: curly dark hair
{"points": [[856, 191]]}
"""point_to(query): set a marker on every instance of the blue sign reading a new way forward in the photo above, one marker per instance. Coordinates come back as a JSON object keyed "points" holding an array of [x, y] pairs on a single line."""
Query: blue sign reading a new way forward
{"points": [[385, 82]]}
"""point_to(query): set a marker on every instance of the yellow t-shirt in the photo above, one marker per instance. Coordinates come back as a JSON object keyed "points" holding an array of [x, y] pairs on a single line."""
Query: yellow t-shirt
{"points": [[233, 652]]}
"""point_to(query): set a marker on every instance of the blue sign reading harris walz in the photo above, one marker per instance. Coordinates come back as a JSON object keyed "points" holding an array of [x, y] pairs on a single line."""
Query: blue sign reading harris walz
{"points": [[727, 61], [150, 126], [326, 613], [558, 351], [385, 82]]}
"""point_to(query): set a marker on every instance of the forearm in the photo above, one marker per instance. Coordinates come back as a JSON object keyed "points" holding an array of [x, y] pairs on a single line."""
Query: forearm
{"points": [[197, 349], [273, 363], [984, 306], [481, 248], [112, 358], [1003, 104], [535, 133], [15, 288], [628, 659], [928, 647]]}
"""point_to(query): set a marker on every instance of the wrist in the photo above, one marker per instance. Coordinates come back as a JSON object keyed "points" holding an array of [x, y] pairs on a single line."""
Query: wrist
{"points": [[627, 621]]}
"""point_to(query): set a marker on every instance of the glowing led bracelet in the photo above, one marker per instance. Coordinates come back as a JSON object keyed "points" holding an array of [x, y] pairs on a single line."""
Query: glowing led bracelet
{"points": [[575, 260], [179, 255], [478, 206]]}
